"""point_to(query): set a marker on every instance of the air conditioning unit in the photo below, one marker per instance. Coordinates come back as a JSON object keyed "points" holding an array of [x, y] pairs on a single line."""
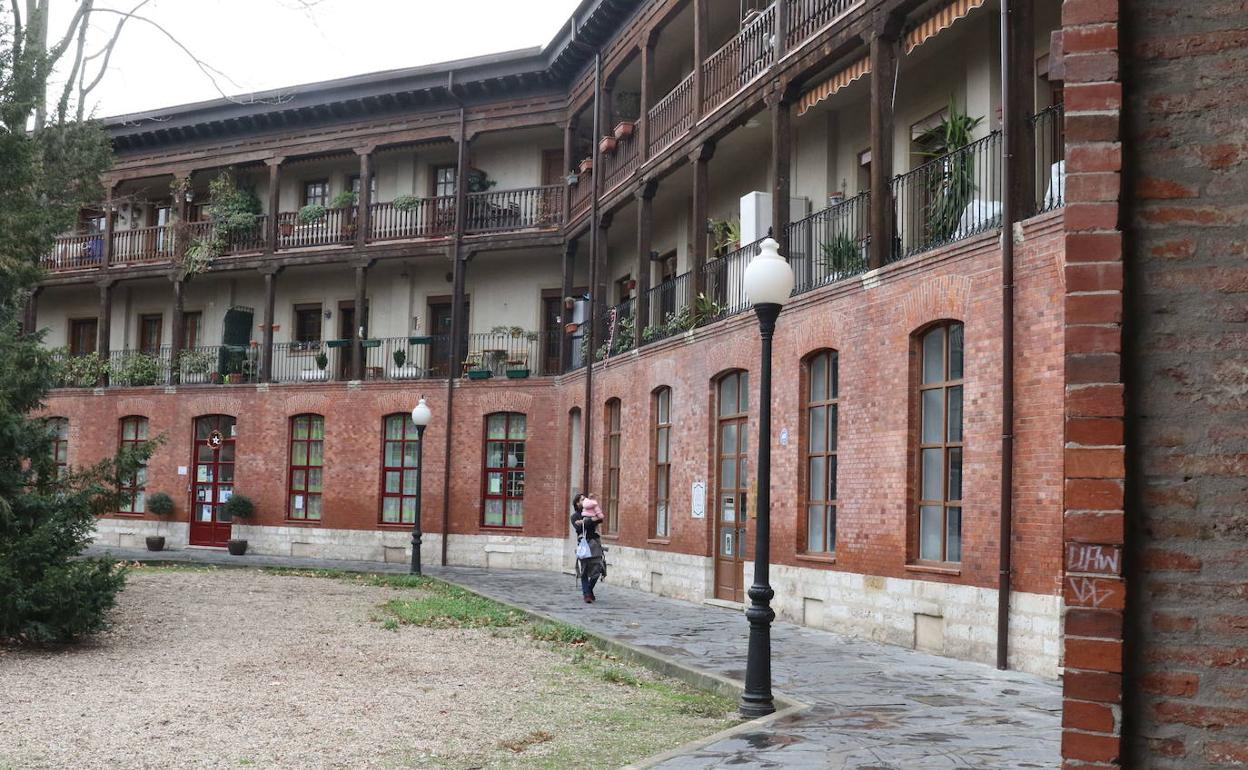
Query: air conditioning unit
{"points": [[756, 214]]}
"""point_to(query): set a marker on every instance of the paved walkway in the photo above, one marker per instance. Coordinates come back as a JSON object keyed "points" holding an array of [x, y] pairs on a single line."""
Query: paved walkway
{"points": [[871, 706]]}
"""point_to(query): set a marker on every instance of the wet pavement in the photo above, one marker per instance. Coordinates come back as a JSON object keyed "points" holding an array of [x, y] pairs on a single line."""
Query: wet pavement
{"points": [[868, 706]]}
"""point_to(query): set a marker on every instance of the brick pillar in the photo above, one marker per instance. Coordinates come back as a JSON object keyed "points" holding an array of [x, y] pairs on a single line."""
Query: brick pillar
{"points": [[1094, 519]]}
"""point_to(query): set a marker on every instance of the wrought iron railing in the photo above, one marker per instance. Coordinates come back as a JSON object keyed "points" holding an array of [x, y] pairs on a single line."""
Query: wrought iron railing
{"points": [[725, 285], [426, 218], [617, 330], [668, 309], [1049, 134], [515, 209], [139, 368], [510, 353], [749, 54], [831, 244], [949, 198], [671, 116], [806, 17], [551, 342]]}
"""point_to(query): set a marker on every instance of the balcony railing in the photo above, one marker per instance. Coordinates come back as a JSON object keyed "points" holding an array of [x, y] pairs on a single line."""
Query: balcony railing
{"points": [[742, 59], [336, 226], [1049, 135], [617, 331], [831, 244], [75, 252], [725, 287], [428, 218], [949, 198], [619, 165], [142, 245], [582, 194], [512, 353], [806, 17], [672, 116], [530, 207], [668, 310]]}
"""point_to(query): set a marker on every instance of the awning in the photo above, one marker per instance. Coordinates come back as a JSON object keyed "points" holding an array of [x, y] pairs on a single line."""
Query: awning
{"points": [[834, 84], [940, 19]]}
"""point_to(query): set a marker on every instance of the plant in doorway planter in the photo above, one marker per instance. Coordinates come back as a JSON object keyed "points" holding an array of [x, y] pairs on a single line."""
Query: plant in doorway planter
{"points": [[158, 504], [238, 507]]}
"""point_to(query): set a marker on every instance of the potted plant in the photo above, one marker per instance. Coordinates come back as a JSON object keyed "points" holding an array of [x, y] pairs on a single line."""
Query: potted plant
{"points": [[402, 369], [405, 202], [624, 129], [137, 370], [313, 212], [83, 371], [195, 366], [159, 504], [238, 507], [318, 374], [607, 144], [517, 370], [571, 328]]}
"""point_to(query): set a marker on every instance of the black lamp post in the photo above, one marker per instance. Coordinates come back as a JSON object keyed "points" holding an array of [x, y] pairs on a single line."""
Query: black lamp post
{"points": [[421, 415], [768, 282]]}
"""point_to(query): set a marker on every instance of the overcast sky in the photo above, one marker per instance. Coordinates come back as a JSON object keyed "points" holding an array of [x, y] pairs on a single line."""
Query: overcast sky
{"points": [[263, 44]]}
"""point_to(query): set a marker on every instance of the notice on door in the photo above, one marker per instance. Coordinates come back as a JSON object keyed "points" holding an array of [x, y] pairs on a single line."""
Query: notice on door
{"points": [[697, 496]]}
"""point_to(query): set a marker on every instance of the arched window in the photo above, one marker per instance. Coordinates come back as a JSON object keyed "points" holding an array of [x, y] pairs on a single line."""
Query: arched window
{"points": [[399, 469], [662, 405], [611, 473], [503, 472], [133, 433], [820, 451], [307, 461], [60, 444], [939, 456]]}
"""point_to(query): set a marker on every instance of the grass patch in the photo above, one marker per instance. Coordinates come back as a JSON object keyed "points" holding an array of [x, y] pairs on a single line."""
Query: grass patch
{"points": [[560, 633], [448, 606]]}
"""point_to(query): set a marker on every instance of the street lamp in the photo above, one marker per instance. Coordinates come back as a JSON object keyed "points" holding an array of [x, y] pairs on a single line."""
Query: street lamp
{"points": [[768, 282], [421, 415]]}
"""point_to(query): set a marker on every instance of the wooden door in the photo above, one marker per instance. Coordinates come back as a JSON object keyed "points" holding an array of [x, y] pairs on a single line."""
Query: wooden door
{"points": [[150, 332], [347, 330], [731, 485], [553, 171], [552, 333], [212, 463], [440, 313]]}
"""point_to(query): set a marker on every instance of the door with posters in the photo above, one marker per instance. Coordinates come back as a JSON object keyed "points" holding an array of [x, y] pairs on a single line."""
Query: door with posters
{"points": [[212, 479], [731, 485]]}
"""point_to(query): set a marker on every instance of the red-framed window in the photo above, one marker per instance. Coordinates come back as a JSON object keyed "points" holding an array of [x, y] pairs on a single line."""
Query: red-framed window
{"points": [[133, 433], [611, 473], [503, 471], [940, 443], [820, 447], [400, 469], [307, 461], [60, 444], [662, 461]]}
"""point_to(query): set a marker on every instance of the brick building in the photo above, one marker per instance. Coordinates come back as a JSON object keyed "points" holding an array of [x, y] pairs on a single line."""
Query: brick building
{"points": [[552, 241]]}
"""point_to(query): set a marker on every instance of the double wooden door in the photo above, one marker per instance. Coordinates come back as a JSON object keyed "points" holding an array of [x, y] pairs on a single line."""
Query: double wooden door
{"points": [[212, 463]]}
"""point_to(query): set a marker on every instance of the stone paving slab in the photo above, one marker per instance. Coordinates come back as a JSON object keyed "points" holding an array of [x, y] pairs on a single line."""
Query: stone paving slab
{"points": [[871, 706]]}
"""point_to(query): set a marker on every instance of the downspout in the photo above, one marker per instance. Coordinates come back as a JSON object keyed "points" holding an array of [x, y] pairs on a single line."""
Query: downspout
{"points": [[587, 423], [454, 346], [1005, 567]]}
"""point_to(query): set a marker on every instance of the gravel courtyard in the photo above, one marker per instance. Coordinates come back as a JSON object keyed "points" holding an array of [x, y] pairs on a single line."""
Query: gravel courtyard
{"points": [[239, 668]]}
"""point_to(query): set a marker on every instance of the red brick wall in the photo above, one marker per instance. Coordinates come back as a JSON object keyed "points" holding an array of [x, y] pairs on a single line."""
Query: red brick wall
{"points": [[1094, 471], [1186, 162]]}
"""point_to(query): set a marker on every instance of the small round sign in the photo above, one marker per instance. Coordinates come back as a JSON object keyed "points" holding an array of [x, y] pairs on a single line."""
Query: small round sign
{"points": [[215, 439]]}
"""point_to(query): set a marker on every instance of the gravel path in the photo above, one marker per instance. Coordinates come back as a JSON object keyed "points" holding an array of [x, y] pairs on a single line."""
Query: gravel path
{"points": [[234, 668]]}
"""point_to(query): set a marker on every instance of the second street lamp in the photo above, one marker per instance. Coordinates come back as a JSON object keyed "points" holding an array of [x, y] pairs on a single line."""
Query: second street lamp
{"points": [[768, 282], [421, 415]]}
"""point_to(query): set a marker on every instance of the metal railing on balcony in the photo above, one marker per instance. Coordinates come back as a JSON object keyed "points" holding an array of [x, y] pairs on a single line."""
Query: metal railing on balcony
{"points": [[725, 285], [74, 252], [617, 330], [749, 54], [668, 309], [672, 116], [529, 207], [1049, 134], [426, 218], [253, 238], [334, 227], [949, 198], [806, 17], [511, 353], [831, 244], [139, 368]]}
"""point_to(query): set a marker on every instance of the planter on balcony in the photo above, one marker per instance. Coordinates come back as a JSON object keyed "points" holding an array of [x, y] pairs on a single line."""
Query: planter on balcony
{"points": [[517, 374], [195, 378], [480, 374], [587, 166], [426, 340], [624, 129], [607, 145], [337, 343], [407, 372], [287, 229], [314, 375], [571, 328], [371, 343]]}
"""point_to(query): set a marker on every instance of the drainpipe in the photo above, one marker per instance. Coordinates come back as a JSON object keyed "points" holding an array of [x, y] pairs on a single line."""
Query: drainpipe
{"points": [[1007, 347], [595, 301]]}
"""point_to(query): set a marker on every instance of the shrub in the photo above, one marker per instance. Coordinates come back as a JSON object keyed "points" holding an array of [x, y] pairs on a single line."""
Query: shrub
{"points": [[239, 507], [313, 212], [160, 504]]}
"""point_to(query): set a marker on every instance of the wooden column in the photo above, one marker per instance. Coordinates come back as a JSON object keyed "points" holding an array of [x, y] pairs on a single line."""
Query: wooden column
{"points": [[645, 244], [275, 202], [177, 331], [701, 22], [701, 160], [270, 305], [565, 315], [883, 72], [110, 219], [647, 86], [1022, 96], [363, 206], [30, 316], [361, 310], [105, 326], [569, 134], [605, 104], [781, 167], [781, 39], [459, 318]]}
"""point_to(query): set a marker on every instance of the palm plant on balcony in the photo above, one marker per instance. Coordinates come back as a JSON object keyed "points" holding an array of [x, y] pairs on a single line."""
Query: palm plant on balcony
{"points": [[841, 256], [951, 186]]}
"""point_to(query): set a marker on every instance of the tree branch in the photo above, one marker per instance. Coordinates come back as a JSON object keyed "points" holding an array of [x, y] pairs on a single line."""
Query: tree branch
{"points": [[107, 52]]}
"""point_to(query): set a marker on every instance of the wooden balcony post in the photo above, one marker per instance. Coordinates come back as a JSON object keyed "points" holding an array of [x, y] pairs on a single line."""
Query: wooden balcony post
{"points": [[30, 316], [647, 86], [701, 21], [105, 326], [701, 160], [569, 271], [781, 166], [361, 321], [275, 202], [110, 220], [645, 243], [1020, 48], [781, 36], [270, 305], [569, 134], [178, 331], [883, 71], [459, 318], [363, 206]]}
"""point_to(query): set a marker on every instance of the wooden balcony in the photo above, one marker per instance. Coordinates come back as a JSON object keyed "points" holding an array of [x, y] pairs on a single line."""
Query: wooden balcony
{"points": [[741, 60], [672, 116], [509, 210]]}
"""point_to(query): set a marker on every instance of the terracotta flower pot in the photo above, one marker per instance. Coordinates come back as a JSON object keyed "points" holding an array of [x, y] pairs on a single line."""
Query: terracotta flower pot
{"points": [[624, 129], [607, 144], [571, 328], [587, 165]]}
